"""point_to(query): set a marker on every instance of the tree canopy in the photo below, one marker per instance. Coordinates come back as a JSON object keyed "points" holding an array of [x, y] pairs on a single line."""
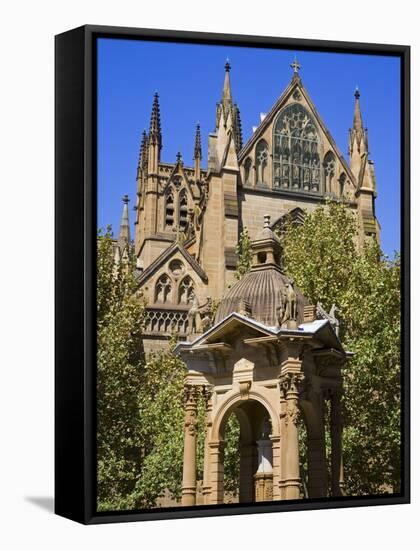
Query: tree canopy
{"points": [[323, 258]]}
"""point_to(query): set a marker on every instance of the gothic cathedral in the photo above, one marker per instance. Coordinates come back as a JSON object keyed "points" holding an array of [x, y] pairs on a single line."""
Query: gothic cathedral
{"points": [[188, 219]]}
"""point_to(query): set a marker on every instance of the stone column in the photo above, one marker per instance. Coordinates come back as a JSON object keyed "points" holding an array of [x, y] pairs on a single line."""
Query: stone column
{"points": [[336, 426], [189, 477], [275, 441], [216, 449], [290, 386], [317, 468], [207, 394]]}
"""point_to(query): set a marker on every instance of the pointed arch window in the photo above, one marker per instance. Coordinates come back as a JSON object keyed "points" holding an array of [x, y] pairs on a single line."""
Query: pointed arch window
{"points": [[169, 210], [296, 161], [183, 210], [329, 171], [186, 291], [261, 161], [163, 289], [247, 171], [342, 183]]}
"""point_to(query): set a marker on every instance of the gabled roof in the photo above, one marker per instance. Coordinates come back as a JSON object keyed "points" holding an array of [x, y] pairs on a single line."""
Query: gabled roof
{"points": [[321, 329], [295, 84], [165, 256]]}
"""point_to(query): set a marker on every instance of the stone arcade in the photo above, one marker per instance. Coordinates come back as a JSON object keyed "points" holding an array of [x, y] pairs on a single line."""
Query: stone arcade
{"points": [[268, 360]]}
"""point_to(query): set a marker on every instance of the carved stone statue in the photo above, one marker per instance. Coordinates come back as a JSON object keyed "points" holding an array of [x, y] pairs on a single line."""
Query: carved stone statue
{"points": [[335, 323], [194, 317], [200, 317], [290, 303]]}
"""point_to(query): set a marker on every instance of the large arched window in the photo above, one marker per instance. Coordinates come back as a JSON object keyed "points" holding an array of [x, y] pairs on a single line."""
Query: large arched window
{"points": [[329, 171], [261, 161], [163, 289], [183, 209], [296, 163], [186, 291]]}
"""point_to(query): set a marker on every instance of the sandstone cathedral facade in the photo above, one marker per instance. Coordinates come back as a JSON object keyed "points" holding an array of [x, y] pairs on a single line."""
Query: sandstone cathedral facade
{"points": [[188, 220]]}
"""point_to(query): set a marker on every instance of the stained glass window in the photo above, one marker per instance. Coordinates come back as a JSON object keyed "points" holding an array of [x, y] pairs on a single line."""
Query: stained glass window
{"points": [[296, 164]]}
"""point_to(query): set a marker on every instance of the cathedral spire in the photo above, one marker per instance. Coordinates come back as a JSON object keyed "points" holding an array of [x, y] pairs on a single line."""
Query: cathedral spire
{"points": [[143, 153], [358, 141], [124, 236], [197, 154], [155, 134], [227, 93], [155, 137], [357, 119], [238, 128], [197, 146]]}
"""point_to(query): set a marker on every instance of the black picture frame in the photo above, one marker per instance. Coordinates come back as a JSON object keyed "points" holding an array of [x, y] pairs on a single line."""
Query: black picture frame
{"points": [[75, 246]]}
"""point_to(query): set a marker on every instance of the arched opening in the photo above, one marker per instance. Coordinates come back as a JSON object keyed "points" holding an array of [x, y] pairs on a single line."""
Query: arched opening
{"points": [[186, 291], [329, 171], [163, 289], [261, 161], [183, 210], [247, 457], [247, 171], [342, 183], [169, 210]]}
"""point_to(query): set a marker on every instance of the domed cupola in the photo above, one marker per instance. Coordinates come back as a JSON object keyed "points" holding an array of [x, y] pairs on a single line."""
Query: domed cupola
{"points": [[265, 293]]}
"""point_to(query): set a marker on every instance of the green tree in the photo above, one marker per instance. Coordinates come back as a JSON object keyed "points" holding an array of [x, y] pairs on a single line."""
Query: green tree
{"points": [[120, 314], [243, 251], [322, 257]]}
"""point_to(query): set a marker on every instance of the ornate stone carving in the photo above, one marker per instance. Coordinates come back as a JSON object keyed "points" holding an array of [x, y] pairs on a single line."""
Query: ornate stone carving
{"points": [[292, 413], [290, 383], [244, 387]]}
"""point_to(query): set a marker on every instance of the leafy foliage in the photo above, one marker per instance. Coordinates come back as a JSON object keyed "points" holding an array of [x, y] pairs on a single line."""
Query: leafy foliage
{"points": [[140, 416], [322, 257], [120, 315], [243, 250]]}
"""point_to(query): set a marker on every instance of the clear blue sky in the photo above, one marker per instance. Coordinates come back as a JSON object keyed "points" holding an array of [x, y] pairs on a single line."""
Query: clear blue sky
{"points": [[189, 80]]}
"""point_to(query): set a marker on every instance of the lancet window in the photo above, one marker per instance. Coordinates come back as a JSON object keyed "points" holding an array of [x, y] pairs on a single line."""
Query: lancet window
{"points": [[186, 291], [329, 171], [163, 291], [261, 161], [169, 210], [183, 210]]}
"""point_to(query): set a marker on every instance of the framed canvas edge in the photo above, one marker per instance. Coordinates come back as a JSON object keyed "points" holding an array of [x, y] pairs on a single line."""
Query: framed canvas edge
{"points": [[79, 378]]}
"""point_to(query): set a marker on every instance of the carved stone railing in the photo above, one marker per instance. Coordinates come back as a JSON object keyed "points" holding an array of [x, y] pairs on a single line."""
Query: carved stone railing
{"points": [[166, 321]]}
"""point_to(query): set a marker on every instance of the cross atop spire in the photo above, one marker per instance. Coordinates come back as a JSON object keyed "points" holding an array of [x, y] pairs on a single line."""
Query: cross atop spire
{"points": [[227, 65], [295, 66]]}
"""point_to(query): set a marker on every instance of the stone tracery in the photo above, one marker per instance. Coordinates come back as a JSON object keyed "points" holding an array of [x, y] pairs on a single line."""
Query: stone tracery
{"points": [[296, 163]]}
